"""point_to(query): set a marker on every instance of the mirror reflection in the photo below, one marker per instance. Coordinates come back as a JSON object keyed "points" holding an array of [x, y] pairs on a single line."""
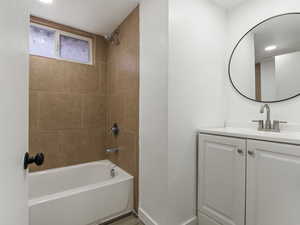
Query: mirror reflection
{"points": [[265, 64]]}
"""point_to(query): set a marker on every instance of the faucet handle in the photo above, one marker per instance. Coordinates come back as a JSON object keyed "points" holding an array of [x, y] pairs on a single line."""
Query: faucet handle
{"points": [[112, 150], [278, 121], [260, 124], [276, 125]]}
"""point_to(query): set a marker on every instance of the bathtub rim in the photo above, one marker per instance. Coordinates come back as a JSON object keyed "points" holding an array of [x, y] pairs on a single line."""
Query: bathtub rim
{"points": [[52, 170], [77, 190]]}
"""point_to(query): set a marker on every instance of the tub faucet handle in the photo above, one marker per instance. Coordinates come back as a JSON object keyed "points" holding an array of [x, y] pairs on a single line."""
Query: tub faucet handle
{"points": [[112, 150], [115, 130]]}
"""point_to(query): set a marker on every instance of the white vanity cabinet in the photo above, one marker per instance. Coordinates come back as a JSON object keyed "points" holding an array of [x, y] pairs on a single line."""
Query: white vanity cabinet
{"points": [[273, 184], [222, 179], [248, 182]]}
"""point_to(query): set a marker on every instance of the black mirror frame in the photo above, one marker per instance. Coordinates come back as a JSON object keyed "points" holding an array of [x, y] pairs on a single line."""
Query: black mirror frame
{"points": [[233, 51]]}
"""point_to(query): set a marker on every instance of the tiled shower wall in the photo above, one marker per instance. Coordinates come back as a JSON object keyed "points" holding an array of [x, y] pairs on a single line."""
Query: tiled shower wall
{"points": [[123, 96], [73, 106], [67, 109]]}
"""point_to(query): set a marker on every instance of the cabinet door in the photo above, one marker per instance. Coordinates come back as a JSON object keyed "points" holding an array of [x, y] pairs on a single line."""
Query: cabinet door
{"points": [[273, 184], [221, 189]]}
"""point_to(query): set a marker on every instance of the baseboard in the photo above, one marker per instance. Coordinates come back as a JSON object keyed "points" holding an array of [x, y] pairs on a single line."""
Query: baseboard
{"points": [[112, 218], [192, 221], [145, 218]]}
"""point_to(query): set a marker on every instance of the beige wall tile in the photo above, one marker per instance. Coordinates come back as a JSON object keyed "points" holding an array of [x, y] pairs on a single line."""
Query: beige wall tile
{"points": [[131, 112], [79, 146], [60, 111], [127, 155], [72, 143], [33, 109], [129, 30], [101, 49], [47, 74], [102, 82], [48, 143], [128, 61], [112, 78], [94, 111], [82, 78], [115, 111], [95, 144], [112, 54]]}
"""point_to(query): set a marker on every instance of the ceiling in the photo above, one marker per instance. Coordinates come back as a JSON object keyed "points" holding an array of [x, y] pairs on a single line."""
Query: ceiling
{"points": [[228, 4], [282, 31], [96, 16]]}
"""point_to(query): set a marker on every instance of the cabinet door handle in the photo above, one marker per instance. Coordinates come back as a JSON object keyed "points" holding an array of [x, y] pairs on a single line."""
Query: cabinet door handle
{"points": [[240, 151], [251, 153]]}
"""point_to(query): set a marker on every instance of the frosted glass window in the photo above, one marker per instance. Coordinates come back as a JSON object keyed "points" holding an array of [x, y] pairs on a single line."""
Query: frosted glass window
{"points": [[42, 41], [74, 49], [54, 43]]}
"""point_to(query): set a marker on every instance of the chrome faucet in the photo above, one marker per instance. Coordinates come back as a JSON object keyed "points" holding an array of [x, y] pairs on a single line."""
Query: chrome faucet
{"points": [[268, 123]]}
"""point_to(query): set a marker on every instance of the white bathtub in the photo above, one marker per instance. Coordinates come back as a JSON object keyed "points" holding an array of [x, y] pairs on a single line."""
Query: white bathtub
{"points": [[79, 195]]}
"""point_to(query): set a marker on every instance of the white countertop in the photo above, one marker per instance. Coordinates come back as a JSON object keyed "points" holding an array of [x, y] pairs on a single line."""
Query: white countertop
{"points": [[290, 137]]}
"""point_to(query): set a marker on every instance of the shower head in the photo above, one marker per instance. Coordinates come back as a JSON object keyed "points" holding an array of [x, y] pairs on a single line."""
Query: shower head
{"points": [[114, 37]]}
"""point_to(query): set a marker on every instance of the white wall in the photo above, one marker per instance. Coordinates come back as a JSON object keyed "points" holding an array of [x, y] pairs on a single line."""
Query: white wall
{"points": [[241, 19], [287, 74], [194, 93], [197, 46], [153, 110], [268, 80], [173, 107]]}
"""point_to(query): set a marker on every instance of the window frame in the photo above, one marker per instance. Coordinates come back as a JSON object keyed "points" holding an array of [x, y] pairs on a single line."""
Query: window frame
{"points": [[58, 33]]}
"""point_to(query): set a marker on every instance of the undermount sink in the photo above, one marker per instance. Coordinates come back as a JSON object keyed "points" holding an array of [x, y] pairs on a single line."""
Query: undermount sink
{"points": [[290, 137]]}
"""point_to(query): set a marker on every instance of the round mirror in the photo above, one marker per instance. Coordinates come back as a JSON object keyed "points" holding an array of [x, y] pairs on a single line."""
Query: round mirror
{"points": [[265, 64]]}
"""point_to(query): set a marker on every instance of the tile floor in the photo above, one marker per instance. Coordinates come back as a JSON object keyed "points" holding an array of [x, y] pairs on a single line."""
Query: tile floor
{"points": [[130, 220]]}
